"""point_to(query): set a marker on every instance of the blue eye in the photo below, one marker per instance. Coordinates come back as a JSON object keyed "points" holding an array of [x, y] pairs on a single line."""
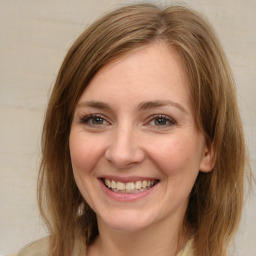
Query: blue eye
{"points": [[94, 120]]}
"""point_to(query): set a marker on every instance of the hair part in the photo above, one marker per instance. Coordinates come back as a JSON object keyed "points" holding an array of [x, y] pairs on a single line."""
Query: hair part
{"points": [[215, 204]]}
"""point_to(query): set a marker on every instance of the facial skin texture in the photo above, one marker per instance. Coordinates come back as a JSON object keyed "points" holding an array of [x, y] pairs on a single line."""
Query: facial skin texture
{"points": [[129, 141]]}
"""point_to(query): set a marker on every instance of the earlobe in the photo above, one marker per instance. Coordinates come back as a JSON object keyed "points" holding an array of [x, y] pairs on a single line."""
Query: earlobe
{"points": [[208, 159]]}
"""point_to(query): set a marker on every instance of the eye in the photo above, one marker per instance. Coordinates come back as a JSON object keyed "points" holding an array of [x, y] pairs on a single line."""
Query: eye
{"points": [[94, 120], [160, 121]]}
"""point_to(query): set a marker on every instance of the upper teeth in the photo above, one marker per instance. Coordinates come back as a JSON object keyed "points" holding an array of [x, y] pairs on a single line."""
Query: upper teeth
{"points": [[137, 186]]}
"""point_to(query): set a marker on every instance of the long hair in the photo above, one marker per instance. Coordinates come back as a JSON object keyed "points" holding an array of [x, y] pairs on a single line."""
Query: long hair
{"points": [[215, 203]]}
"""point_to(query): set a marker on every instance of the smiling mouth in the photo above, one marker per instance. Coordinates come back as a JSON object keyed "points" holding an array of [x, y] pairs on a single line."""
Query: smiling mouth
{"points": [[129, 187]]}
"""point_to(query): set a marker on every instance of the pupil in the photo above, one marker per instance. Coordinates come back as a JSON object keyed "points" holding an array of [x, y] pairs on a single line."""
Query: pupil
{"points": [[97, 120], [160, 121]]}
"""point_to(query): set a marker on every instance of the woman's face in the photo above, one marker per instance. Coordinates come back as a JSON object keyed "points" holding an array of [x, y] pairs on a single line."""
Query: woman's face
{"points": [[135, 148]]}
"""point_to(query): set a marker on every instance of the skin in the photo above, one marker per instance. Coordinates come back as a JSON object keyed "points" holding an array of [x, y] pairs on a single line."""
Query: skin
{"points": [[127, 140]]}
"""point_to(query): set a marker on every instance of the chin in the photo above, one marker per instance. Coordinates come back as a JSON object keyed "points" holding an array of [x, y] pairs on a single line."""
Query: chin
{"points": [[126, 222]]}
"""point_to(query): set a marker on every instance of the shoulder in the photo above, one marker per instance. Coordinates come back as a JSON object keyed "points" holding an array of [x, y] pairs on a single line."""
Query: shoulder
{"points": [[36, 248], [41, 247], [188, 249]]}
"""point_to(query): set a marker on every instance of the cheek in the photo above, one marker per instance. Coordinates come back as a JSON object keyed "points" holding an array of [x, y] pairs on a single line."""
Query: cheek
{"points": [[84, 152], [78, 152], [84, 155], [177, 156]]}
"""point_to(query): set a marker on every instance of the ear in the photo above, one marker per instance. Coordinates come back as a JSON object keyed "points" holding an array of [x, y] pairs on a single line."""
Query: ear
{"points": [[208, 159]]}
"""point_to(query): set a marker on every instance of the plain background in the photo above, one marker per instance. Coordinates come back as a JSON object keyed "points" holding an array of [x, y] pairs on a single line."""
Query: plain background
{"points": [[35, 36]]}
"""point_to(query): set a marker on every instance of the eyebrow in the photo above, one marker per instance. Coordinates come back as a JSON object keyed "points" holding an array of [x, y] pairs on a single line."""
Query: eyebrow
{"points": [[160, 103], [142, 106], [95, 104]]}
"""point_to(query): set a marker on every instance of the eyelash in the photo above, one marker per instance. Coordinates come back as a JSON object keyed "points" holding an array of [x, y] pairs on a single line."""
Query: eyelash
{"points": [[164, 118], [87, 119]]}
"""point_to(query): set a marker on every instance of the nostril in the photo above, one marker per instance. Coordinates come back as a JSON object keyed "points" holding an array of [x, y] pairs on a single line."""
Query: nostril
{"points": [[124, 159]]}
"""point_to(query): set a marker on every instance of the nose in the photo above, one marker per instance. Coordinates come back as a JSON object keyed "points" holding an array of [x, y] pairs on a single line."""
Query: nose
{"points": [[124, 150]]}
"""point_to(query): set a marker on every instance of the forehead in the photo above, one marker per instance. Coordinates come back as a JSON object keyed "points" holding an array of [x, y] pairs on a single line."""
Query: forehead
{"points": [[152, 72]]}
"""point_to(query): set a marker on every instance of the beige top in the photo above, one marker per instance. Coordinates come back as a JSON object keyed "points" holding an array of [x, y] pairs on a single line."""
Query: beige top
{"points": [[40, 248]]}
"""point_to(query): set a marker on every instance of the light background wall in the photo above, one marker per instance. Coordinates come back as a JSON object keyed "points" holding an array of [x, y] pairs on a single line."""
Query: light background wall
{"points": [[35, 35]]}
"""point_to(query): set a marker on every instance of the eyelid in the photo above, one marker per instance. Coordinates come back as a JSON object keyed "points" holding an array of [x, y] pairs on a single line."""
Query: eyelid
{"points": [[87, 117], [163, 116]]}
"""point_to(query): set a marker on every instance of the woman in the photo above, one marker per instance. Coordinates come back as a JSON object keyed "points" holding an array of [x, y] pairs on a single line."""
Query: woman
{"points": [[143, 147]]}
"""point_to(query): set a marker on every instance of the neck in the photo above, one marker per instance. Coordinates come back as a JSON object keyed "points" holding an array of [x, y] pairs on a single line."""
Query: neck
{"points": [[159, 239]]}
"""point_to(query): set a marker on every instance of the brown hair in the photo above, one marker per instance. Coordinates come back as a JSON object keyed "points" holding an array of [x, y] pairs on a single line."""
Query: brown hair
{"points": [[215, 204]]}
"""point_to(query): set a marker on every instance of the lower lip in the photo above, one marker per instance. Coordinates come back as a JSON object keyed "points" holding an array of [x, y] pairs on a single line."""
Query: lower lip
{"points": [[129, 196]]}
